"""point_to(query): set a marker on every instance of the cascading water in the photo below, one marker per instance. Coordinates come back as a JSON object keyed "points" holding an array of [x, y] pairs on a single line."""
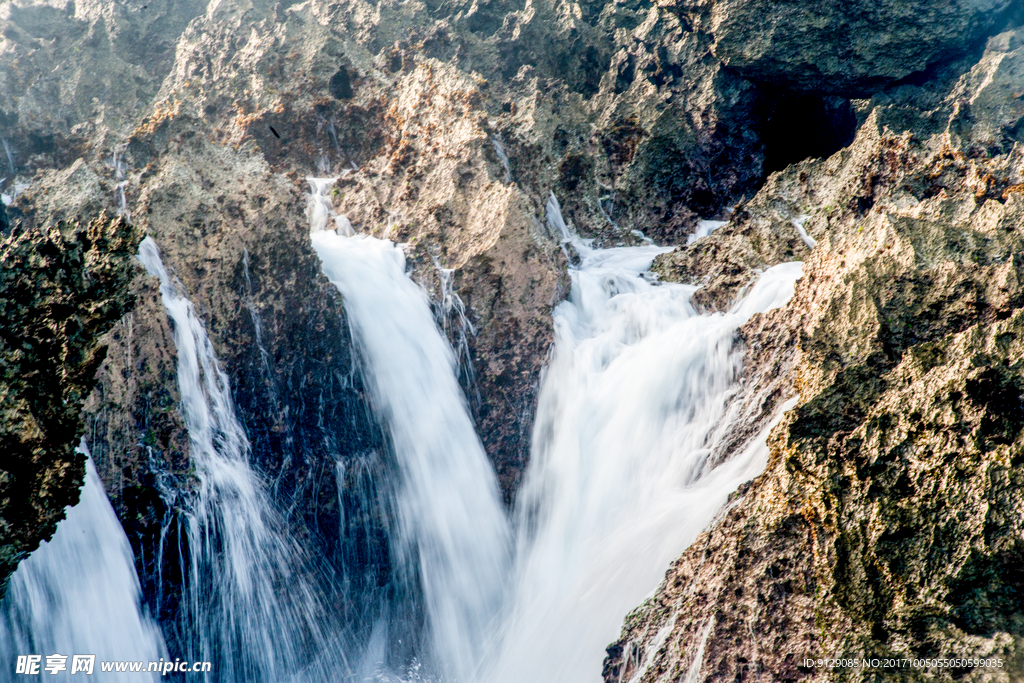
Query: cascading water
{"points": [[249, 602], [451, 536], [704, 228], [79, 593], [120, 190], [630, 410], [619, 481], [450, 312], [631, 407]]}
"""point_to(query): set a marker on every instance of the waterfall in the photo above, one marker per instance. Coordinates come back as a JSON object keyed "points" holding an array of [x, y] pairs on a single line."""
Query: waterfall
{"points": [[10, 157], [250, 602], [704, 228], [79, 593], [451, 537], [635, 400], [121, 174], [619, 481]]}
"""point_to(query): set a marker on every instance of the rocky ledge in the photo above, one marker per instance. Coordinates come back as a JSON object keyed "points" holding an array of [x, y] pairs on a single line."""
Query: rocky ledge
{"points": [[62, 288]]}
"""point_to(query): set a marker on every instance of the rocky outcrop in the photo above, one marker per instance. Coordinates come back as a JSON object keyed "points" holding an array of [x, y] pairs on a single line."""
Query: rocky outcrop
{"points": [[887, 523], [74, 74], [62, 288], [849, 49]]}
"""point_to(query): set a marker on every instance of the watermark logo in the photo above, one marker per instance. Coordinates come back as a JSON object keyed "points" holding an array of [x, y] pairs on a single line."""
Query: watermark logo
{"points": [[33, 665], [28, 664], [83, 664]]}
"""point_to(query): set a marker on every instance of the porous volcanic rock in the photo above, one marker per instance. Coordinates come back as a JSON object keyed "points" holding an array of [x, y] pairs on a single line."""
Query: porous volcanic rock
{"points": [[62, 288]]}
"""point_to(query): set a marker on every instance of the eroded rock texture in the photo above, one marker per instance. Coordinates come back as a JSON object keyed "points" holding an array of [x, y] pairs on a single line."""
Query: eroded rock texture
{"points": [[850, 48], [62, 288], [888, 521]]}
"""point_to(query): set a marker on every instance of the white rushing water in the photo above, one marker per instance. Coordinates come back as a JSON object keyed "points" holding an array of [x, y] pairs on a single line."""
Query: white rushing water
{"points": [[636, 395], [798, 223], [451, 530], [79, 594], [618, 482], [248, 603]]}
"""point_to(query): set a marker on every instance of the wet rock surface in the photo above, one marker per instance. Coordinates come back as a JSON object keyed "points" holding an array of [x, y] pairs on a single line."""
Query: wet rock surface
{"points": [[889, 515], [62, 287], [850, 49]]}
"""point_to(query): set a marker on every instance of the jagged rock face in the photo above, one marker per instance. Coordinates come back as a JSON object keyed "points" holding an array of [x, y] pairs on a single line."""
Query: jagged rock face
{"points": [[888, 521], [75, 71], [61, 289], [843, 48]]}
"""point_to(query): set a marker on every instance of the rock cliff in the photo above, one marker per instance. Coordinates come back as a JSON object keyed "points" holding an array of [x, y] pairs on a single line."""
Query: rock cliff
{"points": [[852, 49], [887, 523]]}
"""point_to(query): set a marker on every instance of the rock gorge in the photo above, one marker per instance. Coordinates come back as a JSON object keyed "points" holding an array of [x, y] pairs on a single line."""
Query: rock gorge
{"points": [[887, 522]]}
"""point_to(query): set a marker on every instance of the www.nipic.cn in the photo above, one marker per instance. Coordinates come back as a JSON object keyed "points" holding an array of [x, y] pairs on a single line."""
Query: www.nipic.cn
{"points": [[86, 664]]}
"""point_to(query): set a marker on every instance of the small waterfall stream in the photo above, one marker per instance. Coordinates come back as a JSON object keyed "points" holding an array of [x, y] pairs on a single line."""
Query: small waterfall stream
{"points": [[79, 594], [249, 604]]}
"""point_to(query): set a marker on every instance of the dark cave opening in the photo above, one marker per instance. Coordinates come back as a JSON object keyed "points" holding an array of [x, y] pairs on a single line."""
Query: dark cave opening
{"points": [[341, 85], [806, 126]]}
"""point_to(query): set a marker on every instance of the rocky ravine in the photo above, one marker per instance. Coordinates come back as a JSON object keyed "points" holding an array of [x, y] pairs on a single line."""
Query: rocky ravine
{"points": [[452, 124], [888, 522]]}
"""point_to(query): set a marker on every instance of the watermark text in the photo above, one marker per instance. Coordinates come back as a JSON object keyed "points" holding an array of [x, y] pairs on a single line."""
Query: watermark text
{"points": [[35, 665], [903, 663]]}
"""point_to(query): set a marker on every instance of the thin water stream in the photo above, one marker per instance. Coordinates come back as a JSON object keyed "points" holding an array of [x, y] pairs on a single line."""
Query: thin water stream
{"points": [[250, 602]]}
